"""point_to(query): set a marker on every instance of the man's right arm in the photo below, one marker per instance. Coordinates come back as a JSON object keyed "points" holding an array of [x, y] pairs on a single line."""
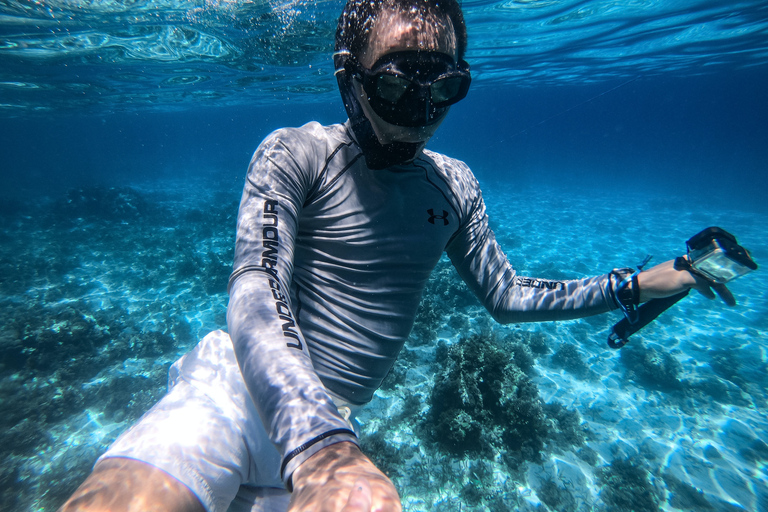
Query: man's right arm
{"points": [[340, 475], [293, 404]]}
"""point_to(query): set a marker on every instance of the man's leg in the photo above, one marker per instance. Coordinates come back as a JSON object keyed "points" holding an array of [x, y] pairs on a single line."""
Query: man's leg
{"points": [[127, 485], [200, 444]]}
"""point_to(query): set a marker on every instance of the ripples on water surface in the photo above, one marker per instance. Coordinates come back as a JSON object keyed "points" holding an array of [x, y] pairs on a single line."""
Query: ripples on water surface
{"points": [[102, 285], [124, 54]]}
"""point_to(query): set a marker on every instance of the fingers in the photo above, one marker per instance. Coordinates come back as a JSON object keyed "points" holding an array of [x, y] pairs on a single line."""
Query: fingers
{"points": [[724, 293], [709, 289], [665, 280], [340, 478], [706, 291], [360, 497]]}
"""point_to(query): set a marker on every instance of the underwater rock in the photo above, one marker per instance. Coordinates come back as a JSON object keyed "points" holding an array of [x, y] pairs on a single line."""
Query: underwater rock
{"points": [[65, 360], [588, 455], [395, 377], [102, 289], [566, 429], [727, 364], [712, 453], [478, 489], [384, 455], [723, 391], [756, 452]]}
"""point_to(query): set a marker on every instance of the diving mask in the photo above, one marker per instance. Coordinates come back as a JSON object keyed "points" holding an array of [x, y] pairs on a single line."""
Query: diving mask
{"points": [[412, 88]]}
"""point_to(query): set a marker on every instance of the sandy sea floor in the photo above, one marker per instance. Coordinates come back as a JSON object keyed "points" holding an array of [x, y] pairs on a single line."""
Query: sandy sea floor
{"points": [[104, 288]]}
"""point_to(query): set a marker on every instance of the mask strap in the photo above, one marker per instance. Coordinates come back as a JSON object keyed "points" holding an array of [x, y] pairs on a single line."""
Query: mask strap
{"points": [[340, 59], [377, 156]]}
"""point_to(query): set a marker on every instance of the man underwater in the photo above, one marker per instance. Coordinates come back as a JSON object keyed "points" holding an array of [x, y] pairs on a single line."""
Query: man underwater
{"points": [[338, 230]]}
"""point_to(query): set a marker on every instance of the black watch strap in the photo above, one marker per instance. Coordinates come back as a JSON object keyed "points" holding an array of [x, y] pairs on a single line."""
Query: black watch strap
{"points": [[628, 293]]}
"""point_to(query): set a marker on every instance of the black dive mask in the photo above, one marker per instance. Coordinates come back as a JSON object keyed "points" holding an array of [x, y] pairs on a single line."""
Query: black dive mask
{"points": [[412, 88], [377, 155]]}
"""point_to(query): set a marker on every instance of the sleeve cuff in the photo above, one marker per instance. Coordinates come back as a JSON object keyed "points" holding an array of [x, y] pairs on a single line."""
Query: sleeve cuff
{"points": [[295, 458], [615, 278]]}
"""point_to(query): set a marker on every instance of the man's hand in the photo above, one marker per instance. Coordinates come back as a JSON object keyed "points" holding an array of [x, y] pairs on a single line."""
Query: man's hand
{"points": [[664, 280], [339, 478]]}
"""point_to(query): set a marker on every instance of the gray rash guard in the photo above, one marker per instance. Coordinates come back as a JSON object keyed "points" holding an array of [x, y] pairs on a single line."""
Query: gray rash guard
{"points": [[331, 259]]}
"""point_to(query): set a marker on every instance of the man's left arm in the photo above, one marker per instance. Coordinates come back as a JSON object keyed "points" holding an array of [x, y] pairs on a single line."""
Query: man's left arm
{"points": [[664, 280], [511, 298]]}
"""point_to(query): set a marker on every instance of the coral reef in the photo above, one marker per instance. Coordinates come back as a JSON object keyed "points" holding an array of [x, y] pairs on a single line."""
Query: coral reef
{"points": [[104, 204], [483, 402], [104, 288], [521, 354], [568, 358], [684, 496], [445, 295], [556, 497], [388, 458], [104, 291], [537, 342], [626, 487], [651, 368]]}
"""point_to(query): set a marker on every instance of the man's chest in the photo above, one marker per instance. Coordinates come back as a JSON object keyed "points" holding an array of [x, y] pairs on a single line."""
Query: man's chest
{"points": [[367, 217]]}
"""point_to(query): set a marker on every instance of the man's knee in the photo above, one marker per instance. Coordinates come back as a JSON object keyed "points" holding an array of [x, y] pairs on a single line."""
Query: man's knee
{"points": [[128, 485]]}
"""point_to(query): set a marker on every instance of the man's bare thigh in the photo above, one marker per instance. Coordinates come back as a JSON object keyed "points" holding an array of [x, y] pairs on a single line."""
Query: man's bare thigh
{"points": [[127, 485]]}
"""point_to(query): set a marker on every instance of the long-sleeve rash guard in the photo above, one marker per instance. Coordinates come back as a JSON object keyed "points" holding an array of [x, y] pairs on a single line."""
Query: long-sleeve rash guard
{"points": [[331, 259]]}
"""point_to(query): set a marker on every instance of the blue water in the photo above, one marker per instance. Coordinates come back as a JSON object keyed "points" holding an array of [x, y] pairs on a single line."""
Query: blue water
{"points": [[600, 132]]}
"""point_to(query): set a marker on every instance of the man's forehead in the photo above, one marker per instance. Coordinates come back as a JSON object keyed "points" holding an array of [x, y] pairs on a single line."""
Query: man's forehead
{"points": [[409, 30]]}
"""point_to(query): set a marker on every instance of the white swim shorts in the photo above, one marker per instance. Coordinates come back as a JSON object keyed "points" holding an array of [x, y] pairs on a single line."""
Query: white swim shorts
{"points": [[207, 434]]}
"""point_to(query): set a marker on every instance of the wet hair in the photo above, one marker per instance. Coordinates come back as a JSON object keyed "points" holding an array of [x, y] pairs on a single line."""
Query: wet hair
{"points": [[355, 22]]}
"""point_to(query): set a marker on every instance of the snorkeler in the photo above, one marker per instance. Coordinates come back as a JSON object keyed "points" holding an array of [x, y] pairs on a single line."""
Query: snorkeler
{"points": [[338, 230]]}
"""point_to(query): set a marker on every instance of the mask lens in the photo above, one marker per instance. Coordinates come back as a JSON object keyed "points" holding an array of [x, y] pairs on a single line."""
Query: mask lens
{"points": [[446, 89], [413, 88], [390, 87]]}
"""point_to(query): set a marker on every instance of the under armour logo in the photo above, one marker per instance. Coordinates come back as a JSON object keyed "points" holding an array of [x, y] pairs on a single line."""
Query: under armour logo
{"points": [[432, 217]]}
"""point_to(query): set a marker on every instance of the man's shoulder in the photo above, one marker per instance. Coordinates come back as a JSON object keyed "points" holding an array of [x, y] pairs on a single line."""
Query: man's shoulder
{"points": [[304, 150], [457, 174], [442, 161], [311, 133]]}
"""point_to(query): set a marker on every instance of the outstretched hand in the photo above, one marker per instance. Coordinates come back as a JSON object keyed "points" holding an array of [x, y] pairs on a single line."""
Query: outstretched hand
{"points": [[339, 478], [665, 280]]}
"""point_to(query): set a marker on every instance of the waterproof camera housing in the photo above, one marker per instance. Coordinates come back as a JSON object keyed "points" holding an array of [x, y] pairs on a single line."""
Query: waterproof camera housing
{"points": [[715, 254]]}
